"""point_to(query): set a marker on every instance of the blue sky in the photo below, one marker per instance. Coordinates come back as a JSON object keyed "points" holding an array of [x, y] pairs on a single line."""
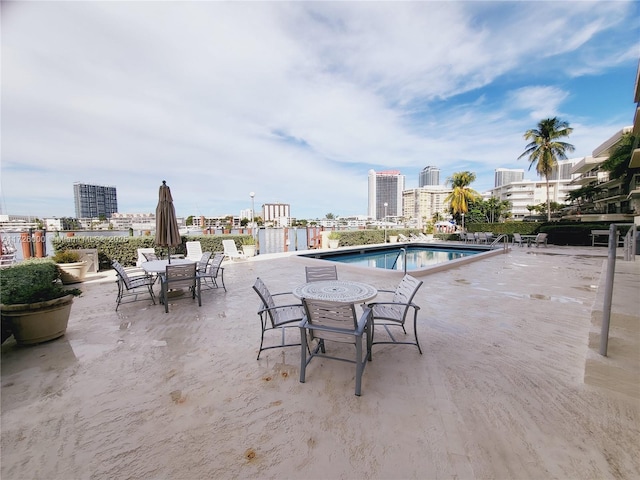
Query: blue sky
{"points": [[295, 101]]}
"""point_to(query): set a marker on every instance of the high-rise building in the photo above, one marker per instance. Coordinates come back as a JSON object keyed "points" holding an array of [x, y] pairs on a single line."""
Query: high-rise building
{"points": [[385, 187], [504, 176], [278, 214], [94, 201], [429, 176], [421, 204]]}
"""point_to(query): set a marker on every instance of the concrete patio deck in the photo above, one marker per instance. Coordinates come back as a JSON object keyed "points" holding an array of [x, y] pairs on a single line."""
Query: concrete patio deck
{"points": [[498, 393]]}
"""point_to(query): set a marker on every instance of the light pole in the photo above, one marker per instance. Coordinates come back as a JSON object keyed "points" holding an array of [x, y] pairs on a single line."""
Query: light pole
{"points": [[463, 222], [385, 221], [253, 234]]}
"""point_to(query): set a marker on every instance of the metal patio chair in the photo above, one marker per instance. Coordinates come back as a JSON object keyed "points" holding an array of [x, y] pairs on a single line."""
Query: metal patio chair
{"points": [[132, 285], [317, 274], [277, 316], [335, 322], [213, 271], [179, 277], [394, 313]]}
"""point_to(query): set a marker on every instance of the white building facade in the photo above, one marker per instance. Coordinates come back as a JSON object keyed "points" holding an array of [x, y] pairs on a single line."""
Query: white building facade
{"points": [[421, 204], [385, 187]]}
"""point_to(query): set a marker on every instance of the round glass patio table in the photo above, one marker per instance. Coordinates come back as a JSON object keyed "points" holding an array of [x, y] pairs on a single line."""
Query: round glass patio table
{"points": [[342, 291]]}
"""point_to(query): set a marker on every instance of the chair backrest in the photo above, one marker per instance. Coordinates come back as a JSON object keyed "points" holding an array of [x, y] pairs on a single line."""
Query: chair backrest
{"points": [[180, 276], [541, 237], [404, 293], [276, 316], [141, 252], [150, 256], [194, 250], [214, 264], [517, 237], [339, 316], [120, 271], [317, 274], [203, 262], [230, 247]]}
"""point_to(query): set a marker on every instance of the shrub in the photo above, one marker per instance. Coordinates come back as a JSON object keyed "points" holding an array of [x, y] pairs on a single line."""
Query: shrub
{"points": [[66, 256], [32, 281]]}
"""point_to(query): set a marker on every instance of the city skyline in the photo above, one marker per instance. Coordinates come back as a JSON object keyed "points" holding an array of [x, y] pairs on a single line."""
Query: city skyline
{"points": [[295, 101]]}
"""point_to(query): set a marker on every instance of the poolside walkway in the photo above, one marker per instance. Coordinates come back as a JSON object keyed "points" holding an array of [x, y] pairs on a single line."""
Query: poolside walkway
{"points": [[498, 393]]}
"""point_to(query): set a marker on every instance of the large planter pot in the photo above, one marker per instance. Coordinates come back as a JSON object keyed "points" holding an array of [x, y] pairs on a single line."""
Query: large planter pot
{"points": [[249, 250], [33, 323], [393, 239], [333, 243], [73, 272]]}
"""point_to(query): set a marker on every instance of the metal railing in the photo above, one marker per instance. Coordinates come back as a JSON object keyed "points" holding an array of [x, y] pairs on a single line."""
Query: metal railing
{"points": [[629, 255], [504, 238]]}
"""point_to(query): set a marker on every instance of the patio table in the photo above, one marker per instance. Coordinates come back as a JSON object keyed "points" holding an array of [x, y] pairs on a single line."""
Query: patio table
{"points": [[342, 291]]}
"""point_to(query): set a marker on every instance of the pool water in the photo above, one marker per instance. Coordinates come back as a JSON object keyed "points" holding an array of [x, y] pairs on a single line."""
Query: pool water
{"points": [[415, 257]]}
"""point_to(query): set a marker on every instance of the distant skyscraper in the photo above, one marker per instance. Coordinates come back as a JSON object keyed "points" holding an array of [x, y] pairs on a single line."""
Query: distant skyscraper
{"points": [[429, 176], [94, 201], [385, 187], [504, 176]]}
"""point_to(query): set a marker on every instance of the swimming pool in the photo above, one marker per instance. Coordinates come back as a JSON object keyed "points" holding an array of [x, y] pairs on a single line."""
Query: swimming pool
{"points": [[418, 257]]}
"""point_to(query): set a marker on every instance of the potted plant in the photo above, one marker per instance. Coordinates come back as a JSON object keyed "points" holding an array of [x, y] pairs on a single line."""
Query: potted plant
{"points": [[334, 240], [393, 236], [429, 230], [72, 268], [35, 305], [249, 246]]}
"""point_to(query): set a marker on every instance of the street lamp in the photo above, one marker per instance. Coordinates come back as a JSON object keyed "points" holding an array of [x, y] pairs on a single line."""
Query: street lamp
{"points": [[385, 221], [252, 194], [463, 222]]}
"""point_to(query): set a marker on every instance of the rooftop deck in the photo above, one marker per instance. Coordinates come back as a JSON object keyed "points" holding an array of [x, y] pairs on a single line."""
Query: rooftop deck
{"points": [[498, 393]]}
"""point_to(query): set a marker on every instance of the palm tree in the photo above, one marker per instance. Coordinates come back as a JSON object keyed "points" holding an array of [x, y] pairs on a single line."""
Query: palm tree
{"points": [[544, 149], [462, 194]]}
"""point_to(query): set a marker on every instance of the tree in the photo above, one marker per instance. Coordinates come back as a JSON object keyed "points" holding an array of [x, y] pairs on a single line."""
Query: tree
{"points": [[618, 162], [462, 194], [544, 149]]}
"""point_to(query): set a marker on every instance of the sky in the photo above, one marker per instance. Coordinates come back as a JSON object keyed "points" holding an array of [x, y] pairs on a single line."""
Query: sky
{"points": [[295, 101]]}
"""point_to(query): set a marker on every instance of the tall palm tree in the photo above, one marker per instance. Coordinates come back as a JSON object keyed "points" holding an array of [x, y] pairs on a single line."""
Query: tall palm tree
{"points": [[544, 149], [462, 194]]}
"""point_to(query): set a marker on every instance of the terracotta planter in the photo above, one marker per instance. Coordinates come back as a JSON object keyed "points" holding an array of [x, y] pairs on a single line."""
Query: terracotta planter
{"points": [[33, 323], [73, 272]]}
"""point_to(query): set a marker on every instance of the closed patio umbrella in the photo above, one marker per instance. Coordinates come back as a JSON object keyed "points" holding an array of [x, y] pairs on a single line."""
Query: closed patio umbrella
{"points": [[167, 231]]}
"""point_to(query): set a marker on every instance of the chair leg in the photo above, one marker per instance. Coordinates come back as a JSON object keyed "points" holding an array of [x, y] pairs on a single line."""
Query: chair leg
{"points": [[359, 366], [415, 330], [303, 353]]}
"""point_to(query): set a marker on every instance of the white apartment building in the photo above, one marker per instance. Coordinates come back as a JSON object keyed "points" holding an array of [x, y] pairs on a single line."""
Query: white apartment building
{"points": [[276, 214], [421, 204], [533, 192], [503, 176], [385, 187]]}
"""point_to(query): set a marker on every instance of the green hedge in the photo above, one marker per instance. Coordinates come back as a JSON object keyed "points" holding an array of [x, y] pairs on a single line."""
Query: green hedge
{"points": [[31, 281], [124, 249]]}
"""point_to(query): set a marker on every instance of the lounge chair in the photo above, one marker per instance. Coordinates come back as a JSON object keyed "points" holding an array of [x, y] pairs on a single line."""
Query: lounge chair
{"points": [[231, 250], [277, 316], [178, 277], [213, 271], [335, 322], [541, 238], [150, 256], [194, 251], [402, 237], [393, 313], [317, 274], [131, 285]]}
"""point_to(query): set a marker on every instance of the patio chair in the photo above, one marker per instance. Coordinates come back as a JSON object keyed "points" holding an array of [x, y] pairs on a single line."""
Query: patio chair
{"points": [[394, 313], [194, 251], [541, 238], [213, 271], [317, 274], [203, 262], [402, 237], [150, 256], [276, 316], [131, 285], [231, 250], [179, 277], [141, 255], [335, 322], [517, 238]]}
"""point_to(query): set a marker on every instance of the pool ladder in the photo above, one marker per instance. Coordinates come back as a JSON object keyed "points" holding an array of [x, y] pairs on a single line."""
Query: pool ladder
{"points": [[504, 238]]}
